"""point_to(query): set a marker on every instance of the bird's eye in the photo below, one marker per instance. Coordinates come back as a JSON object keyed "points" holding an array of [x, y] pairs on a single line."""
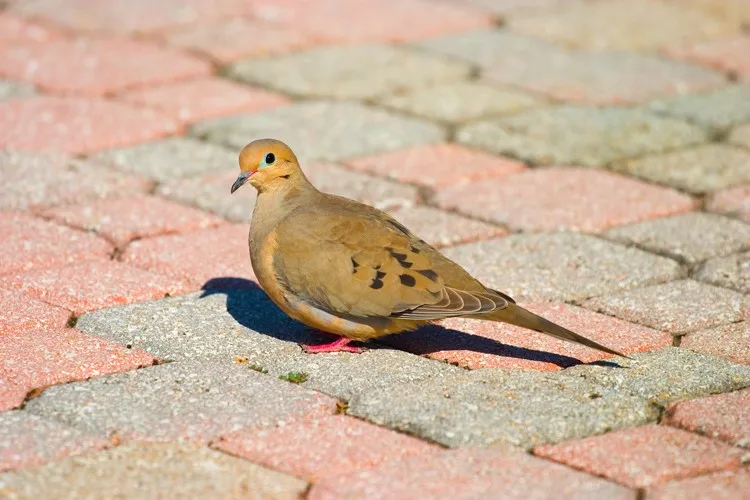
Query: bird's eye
{"points": [[270, 158]]}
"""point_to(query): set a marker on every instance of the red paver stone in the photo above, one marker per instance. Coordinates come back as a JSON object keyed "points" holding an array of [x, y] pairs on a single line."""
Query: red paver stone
{"points": [[330, 446], [123, 219], [227, 41], [87, 66], [558, 198], [436, 165], [644, 456], [727, 54], [76, 125], [35, 359], [11, 395], [196, 257], [734, 202], [16, 29], [20, 312], [195, 100], [32, 243], [724, 416], [719, 486], [441, 229], [469, 474], [730, 342], [94, 285], [484, 344]]}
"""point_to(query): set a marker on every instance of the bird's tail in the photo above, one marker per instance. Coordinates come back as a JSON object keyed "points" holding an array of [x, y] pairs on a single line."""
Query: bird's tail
{"points": [[517, 315]]}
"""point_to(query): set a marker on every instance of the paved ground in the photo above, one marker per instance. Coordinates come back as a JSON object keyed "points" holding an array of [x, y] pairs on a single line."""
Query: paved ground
{"points": [[592, 158]]}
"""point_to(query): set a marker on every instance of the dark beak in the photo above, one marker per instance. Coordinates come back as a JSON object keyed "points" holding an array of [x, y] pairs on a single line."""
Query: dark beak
{"points": [[244, 176]]}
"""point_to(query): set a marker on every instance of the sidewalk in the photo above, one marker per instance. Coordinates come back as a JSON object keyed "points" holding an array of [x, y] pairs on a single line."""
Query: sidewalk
{"points": [[591, 158]]}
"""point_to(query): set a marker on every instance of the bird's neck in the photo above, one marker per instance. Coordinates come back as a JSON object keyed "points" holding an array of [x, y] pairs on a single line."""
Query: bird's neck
{"points": [[278, 199]]}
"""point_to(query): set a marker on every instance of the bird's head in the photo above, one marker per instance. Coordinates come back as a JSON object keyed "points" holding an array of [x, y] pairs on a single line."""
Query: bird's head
{"points": [[266, 163]]}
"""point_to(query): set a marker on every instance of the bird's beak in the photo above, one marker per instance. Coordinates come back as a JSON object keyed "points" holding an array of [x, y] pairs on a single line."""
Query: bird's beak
{"points": [[244, 176]]}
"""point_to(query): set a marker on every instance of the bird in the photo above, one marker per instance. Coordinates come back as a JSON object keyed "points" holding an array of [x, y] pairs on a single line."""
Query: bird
{"points": [[348, 269]]}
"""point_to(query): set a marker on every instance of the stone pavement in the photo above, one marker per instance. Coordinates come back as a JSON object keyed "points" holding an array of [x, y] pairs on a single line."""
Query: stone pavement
{"points": [[589, 157]]}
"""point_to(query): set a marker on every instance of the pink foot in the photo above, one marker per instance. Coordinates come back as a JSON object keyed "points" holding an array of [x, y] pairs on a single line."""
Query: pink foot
{"points": [[338, 345]]}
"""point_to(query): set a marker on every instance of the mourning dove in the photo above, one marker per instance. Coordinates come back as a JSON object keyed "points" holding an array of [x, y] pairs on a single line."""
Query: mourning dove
{"points": [[346, 268]]}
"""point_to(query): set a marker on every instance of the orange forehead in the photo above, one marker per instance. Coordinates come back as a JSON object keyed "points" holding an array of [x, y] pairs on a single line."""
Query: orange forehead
{"points": [[252, 155]]}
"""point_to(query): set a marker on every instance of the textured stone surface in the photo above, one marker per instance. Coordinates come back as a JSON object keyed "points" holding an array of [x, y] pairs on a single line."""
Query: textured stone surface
{"points": [[690, 238], [125, 219], [10, 89], [677, 307], [323, 130], [457, 102], [560, 266], [577, 199], [93, 285], [732, 271], [12, 395], [317, 449], [151, 470], [724, 416], [21, 312], [77, 125], [729, 484], [734, 202], [349, 72], [37, 180], [730, 342], [471, 473], [580, 135], [436, 165], [14, 28], [170, 159], [741, 136], [478, 344], [205, 400], [726, 54], [30, 243], [27, 440], [696, 170], [86, 66], [644, 456], [722, 108], [441, 229]]}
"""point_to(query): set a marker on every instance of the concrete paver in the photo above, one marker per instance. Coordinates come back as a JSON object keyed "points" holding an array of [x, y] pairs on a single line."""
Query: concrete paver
{"points": [[734, 202], [724, 416], [729, 484], [730, 342], [726, 54], [10, 89], [21, 312], [731, 271], [721, 109]]}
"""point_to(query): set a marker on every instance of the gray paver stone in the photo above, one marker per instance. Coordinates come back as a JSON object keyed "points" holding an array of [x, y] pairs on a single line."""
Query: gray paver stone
{"points": [[721, 108], [732, 271], [10, 89], [741, 136]]}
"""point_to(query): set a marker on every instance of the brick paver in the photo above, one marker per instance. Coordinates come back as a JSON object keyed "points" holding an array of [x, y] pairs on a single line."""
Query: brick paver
{"points": [[730, 484], [21, 312], [441, 229], [734, 202], [727, 54], [644, 456], [15, 29], [725, 417], [12, 395], [730, 342], [732, 271]]}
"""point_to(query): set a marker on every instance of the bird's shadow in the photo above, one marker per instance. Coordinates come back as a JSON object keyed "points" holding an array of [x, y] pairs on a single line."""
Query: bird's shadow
{"points": [[249, 305]]}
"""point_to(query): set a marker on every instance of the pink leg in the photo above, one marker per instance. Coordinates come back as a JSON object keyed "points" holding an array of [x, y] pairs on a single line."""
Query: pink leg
{"points": [[338, 345]]}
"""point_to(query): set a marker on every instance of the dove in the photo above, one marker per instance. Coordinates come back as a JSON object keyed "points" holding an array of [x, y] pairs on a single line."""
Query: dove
{"points": [[351, 270]]}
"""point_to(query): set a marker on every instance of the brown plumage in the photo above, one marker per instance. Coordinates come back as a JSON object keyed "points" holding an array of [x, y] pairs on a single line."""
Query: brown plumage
{"points": [[351, 270]]}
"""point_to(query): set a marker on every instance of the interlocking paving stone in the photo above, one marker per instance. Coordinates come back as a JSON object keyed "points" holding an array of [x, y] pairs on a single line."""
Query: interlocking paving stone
{"points": [[677, 307], [77, 125], [732, 271], [94, 284], [204, 98], [35, 359], [561, 266], [16, 29], [12, 395], [37, 180], [720, 485], [697, 170], [436, 165], [349, 72], [205, 400], [27, 440], [730, 342], [580, 135], [734, 202], [10, 89], [317, 449], [441, 229], [741, 136], [735, 11], [170, 159], [690, 238], [21, 312], [86, 66], [323, 130], [644, 456], [724, 416], [125, 219], [722, 108], [30, 243], [512, 6], [457, 102], [635, 25], [483, 344], [727, 54], [151, 470], [195, 257], [556, 198], [469, 473]]}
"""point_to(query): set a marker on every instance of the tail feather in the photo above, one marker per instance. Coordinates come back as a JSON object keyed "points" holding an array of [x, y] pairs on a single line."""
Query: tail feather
{"points": [[517, 315]]}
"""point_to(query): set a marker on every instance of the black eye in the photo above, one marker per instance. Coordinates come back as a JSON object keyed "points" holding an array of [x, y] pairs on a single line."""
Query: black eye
{"points": [[270, 158]]}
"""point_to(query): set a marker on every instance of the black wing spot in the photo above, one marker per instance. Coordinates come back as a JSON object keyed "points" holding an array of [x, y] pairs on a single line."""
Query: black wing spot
{"points": [[376, 284], [355, 265], [379, 275], [407, 280], [429, 274], [415, 249], [405, 264]]}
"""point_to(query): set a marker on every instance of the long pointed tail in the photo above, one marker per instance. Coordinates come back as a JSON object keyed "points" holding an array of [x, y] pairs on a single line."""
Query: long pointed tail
{"points": [[517, 315]]}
